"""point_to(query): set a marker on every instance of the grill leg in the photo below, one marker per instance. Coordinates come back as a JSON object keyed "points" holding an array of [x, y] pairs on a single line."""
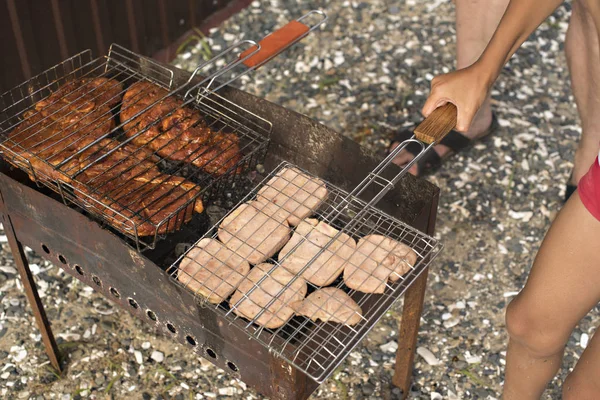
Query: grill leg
{"points": [[409, 329], [32, 293], [411, 319]]}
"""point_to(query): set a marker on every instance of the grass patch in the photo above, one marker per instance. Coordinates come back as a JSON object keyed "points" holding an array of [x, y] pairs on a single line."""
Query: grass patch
{"points": [[328, 81], [474, 378], [112, 383], [199, 37]]}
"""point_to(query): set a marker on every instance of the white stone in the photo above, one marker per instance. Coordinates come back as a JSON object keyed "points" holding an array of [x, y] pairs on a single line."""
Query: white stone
{"points": [[338, 60], [470, 359], [210, 395], [452, 322], [227, 391], [138, 357], [5, 375], [436, 396], [146, 345], [428, 356], [20, 356], [229, 37], [157, 356], [583, 341], [8, 270], [389, 347], [524, 216]]}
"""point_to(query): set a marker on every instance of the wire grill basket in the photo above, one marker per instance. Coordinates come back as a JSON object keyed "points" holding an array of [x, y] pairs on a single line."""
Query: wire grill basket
{"points": [[116, 137], [311, 267]]}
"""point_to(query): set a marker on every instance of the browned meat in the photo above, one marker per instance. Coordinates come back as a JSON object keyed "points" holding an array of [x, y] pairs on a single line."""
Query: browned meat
{"points": [[252, 303], [80, 97], [66, 121], [295, 192], [151, 206], [126, 185], [311, 236], [174, 132], [255, 230], [329, 304], [212, 270], [377, 259]]}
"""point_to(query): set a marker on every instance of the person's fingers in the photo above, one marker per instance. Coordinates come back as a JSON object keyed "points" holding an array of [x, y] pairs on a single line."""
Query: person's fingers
{"points": [[463, 119], [431, 104]]}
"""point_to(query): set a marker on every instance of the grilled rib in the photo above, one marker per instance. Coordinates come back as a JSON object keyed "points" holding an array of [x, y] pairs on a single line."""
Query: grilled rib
{"points": [[175, 132]]}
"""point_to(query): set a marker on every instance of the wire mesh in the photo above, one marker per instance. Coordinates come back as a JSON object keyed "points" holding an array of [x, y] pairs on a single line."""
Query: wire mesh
{"points": [[304, 268], [115, 137]]}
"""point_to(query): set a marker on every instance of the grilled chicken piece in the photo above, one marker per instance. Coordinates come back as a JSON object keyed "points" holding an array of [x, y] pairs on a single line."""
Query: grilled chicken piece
{"points": [[255, 230], [295, 192], [377, 259], [313, 235], [71, 118], [175, 132], [212, 270], [329, 304], [253, 303]]}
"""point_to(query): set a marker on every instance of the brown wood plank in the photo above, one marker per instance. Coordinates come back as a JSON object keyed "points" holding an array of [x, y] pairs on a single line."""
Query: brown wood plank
{"points": [[48, 46], [12, 71]]}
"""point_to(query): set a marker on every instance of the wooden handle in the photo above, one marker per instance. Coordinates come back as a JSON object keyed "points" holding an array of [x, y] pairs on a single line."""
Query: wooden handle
{"points": [[439, 123], [275, 43]]}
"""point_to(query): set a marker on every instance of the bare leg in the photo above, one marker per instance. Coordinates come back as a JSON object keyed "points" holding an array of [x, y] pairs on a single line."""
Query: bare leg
{"points": [[476, 21], [582, 383], [583, 56], [564, 284]]}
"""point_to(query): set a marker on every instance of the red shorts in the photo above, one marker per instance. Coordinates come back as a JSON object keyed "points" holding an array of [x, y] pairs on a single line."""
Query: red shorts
{"points": [[589, 190]]}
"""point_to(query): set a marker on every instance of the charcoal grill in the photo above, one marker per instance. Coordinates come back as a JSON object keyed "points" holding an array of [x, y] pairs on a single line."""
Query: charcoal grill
{"points": [[37, 216]]}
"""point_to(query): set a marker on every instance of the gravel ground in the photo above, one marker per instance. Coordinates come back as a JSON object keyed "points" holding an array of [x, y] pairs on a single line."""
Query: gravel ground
{"points": [[497, 201]]}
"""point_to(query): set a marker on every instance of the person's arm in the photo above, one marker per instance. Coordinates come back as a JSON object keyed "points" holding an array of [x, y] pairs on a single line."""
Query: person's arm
{"points": [[467, 88]]}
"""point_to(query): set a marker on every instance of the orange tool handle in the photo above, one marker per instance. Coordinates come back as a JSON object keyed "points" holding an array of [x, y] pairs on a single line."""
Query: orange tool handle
{"points": [[275, 43]]}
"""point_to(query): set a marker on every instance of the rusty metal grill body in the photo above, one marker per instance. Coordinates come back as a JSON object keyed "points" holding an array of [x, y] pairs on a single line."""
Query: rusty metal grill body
{"points": [[140, 284]]}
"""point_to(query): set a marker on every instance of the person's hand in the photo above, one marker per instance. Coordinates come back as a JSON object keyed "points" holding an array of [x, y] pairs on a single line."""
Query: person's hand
{"points": [[466, 88]]}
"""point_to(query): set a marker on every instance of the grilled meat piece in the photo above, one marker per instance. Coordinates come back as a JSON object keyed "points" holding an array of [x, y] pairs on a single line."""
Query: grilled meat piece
{"points": [[120, 181], [311, 236], [212, 270], [254, 296], [138, 206], [123, 183], [63, 123], [80, 97], [175, 132], [295, 192], [255, 231], [377, 259], [329, 304]]}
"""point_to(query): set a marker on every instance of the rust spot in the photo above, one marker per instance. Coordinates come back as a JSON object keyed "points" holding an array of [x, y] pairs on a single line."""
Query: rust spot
{"points": [[136, 258]]}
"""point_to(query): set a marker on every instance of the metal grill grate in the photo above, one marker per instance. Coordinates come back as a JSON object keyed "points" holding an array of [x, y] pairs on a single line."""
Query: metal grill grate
{"points": [[270, 298], [93, 158]]}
